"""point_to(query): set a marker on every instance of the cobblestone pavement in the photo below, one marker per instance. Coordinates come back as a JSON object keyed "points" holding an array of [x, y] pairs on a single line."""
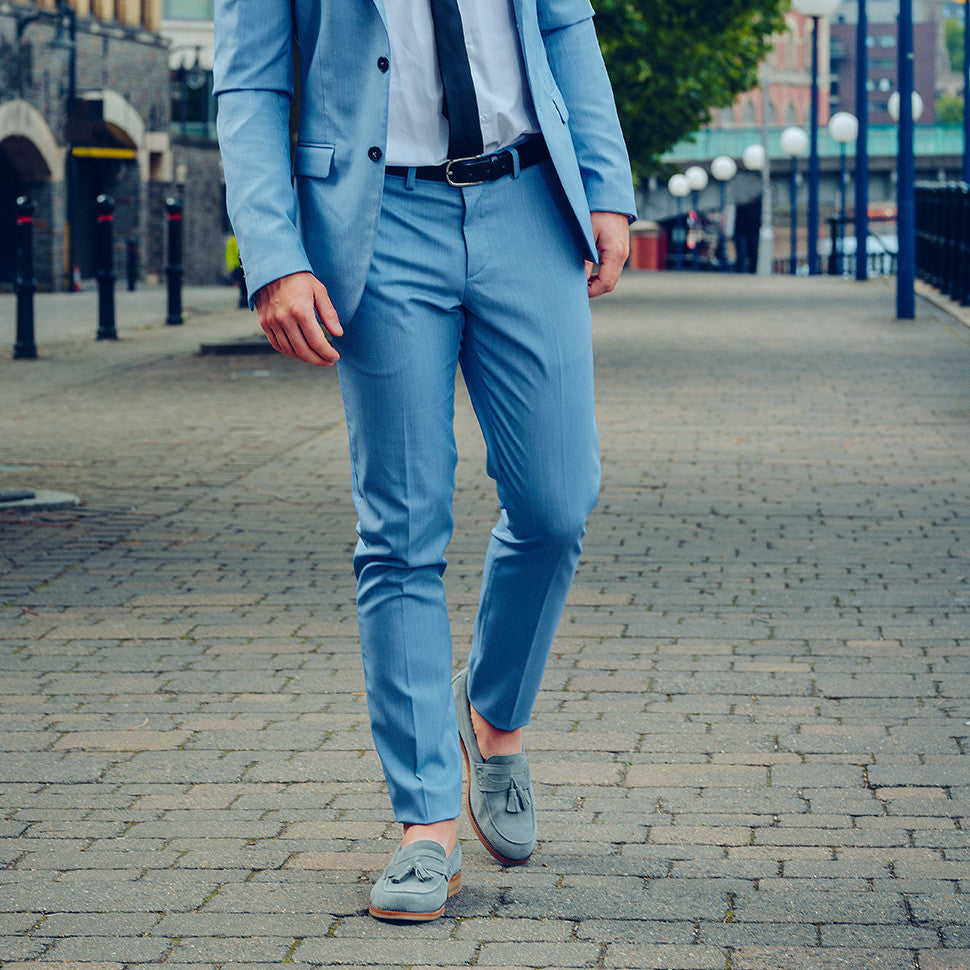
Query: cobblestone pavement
{"points": [[751, 745]]}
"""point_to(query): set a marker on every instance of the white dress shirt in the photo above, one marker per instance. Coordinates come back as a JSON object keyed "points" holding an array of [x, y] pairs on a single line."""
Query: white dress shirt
{"points": [[417, 134]]}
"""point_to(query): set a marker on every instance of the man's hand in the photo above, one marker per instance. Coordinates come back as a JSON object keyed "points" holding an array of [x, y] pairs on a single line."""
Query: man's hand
{"points": [[286, 313], [611, 230]]}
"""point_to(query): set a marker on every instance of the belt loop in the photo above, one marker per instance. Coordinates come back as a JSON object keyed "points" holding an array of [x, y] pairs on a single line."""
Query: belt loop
{"points": [[410, 179], [515, 160]]}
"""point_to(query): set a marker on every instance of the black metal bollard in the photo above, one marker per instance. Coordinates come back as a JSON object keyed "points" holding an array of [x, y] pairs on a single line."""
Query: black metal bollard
{"points": [[131, 249], [25, 348], [174, 270], [104, 253]]}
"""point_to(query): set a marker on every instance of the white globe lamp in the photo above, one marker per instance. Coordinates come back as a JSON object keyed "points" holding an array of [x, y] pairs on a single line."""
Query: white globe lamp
{"points": [[893, 106], [697, 178], [843, 127], [678, 186], [794, 141], [753, 158], [724, 168]]}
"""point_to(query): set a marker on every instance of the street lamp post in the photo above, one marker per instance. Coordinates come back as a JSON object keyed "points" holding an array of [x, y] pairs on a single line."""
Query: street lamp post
{"points": [[697, 179], [755, 159], [815, 9], [191, 78], [862, 145], [843, 127], [966, 91], [66, 39], [678, 187], [723, 168], [905, 187], [794, 141]]}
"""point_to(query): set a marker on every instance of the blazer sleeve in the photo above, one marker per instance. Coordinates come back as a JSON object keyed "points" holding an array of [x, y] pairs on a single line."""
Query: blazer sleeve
{"points": [[253, 81], [580, 74]]}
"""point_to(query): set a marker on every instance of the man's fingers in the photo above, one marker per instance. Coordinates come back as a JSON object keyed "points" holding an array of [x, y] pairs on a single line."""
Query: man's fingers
{"points": [[612, 233], [302, 338], [288, 309], [328, 315], [606, 279], [611, 266]]}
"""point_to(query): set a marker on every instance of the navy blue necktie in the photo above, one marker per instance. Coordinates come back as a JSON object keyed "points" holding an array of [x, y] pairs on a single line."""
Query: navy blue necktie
{"points": [[461, 105]]}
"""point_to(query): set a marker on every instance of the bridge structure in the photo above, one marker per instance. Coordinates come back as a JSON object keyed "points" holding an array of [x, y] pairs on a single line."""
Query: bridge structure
{"points": [[938, 151]]}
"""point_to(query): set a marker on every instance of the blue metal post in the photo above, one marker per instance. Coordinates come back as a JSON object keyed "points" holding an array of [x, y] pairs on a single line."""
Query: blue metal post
{"points": [[813, 161], [862, 146], [843, 191], [966, 91], [680, 237], [793, 195], [906, 187]]}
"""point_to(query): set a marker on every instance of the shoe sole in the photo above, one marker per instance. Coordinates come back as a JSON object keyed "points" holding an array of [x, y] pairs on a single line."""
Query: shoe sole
{"points": [[454, 884], [471, 816]]}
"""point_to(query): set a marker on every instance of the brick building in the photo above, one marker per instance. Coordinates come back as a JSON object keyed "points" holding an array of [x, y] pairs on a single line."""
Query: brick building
{"points": [[785, 98], [85, 109]]}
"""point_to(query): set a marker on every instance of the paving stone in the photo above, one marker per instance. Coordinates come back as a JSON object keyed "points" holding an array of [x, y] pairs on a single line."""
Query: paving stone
{"points": [[817, 958]]}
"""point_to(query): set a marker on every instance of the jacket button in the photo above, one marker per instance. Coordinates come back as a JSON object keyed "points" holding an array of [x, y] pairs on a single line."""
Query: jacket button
{"points": [[383, 64], [375, 154]]}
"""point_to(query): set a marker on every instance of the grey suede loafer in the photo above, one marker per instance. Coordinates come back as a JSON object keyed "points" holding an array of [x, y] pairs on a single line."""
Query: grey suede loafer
{"points": [[416, 883], [500, 801]]}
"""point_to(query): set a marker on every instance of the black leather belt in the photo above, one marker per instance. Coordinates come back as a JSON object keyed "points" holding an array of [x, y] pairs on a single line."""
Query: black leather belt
{"points": [[462, 172]]}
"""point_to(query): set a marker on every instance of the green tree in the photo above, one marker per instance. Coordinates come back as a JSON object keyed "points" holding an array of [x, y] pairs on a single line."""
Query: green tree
{"points": [[953, 38], [949, 109], [672, 61]]}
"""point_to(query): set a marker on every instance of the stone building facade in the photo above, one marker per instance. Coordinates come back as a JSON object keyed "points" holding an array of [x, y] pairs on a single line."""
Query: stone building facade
{"points": [[86, 109]]}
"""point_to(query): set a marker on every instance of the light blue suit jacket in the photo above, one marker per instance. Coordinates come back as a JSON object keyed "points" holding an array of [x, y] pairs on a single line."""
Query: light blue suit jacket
{"points": [[338, 163]]}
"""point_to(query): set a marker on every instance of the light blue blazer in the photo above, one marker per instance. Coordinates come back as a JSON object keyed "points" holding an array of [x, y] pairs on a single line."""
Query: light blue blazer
{"points": [[337, 174]]}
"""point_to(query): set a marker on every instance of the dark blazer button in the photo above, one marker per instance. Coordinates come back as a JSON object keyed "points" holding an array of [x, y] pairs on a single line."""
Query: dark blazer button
{"points": [[383, 64], [375, 154]]}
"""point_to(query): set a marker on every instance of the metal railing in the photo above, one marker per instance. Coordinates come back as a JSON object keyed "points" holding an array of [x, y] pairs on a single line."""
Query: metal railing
{"points": [[943, 238], [838, 253], [882, 247]]}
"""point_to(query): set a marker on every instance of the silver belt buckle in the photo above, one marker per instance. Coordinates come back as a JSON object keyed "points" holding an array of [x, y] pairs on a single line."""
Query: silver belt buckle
{"points": [[455, 161]]}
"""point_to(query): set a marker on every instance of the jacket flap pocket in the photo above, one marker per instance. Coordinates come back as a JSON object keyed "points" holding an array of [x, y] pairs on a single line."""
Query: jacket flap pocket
{"points": [[313, 160]]}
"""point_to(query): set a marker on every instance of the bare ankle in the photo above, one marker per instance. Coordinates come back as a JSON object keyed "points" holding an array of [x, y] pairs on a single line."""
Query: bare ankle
{"points": [[492, 740], [444, 833]]}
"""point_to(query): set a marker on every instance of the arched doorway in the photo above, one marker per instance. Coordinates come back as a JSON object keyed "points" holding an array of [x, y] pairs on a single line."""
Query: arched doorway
{"points": [[29, 163], [107, 141]]}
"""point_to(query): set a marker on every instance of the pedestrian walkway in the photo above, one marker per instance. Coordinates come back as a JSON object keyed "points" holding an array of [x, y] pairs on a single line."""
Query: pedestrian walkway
{"points": [[61, 317], [750, 749]]}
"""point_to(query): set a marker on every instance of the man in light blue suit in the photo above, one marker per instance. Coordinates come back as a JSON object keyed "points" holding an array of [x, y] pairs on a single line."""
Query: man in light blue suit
{"points": [[458, 190]]}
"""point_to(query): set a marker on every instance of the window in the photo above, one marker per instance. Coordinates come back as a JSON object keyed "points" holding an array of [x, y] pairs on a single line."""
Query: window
{"points": [[188, 9]]}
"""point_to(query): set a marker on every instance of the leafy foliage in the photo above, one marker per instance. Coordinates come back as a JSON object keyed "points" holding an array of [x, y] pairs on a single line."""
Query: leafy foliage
{"points": [[671, 61], [949, 109], [953, 38]]}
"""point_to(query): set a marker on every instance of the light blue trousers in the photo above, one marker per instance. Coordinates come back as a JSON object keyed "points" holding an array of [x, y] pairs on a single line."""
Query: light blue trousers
{"points": [[490, 279]]}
